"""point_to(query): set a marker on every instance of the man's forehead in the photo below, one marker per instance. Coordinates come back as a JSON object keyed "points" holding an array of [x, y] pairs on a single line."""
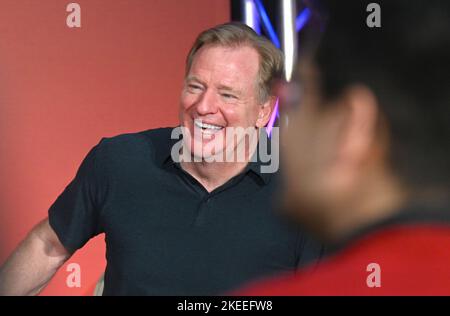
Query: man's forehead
{"points": [[233, 59]]}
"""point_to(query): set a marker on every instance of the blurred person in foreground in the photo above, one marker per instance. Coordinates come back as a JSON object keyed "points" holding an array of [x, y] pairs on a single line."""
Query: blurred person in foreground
{"points": [[366, 152]]}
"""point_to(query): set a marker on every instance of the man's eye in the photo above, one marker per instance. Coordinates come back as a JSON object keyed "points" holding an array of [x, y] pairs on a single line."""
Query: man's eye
{"points": [[194, 87], [228, 96]]}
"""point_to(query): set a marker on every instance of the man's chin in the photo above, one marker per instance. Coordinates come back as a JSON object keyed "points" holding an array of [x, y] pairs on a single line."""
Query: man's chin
{"points": [[200, 152]]}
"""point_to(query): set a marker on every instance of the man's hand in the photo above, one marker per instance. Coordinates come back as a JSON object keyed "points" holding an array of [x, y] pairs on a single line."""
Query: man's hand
{"points": [[32, 265]]}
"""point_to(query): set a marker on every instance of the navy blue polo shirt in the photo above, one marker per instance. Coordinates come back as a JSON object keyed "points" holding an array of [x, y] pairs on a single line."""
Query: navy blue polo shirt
{"points": [[165, 233]]}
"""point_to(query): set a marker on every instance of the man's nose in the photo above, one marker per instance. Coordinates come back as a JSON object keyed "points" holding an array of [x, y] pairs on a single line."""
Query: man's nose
{"points": [[208, 103]]}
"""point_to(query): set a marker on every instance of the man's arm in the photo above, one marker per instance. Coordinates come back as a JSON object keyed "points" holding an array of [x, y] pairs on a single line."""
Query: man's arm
{"points": [[32, 265]]}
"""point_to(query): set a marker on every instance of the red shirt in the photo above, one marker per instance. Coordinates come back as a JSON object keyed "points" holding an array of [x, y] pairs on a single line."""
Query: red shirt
{"points": [[413, 259]]}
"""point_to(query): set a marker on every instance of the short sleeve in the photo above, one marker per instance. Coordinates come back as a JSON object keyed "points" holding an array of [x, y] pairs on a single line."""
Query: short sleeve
{"points": [[75, 215]]}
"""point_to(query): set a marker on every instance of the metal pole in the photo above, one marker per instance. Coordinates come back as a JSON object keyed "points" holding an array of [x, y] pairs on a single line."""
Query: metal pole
{"points": [[289, 36]]}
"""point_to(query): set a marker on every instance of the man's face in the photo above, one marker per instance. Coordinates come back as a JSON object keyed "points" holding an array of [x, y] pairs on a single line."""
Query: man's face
{"points": [[335, 155], [220, 91], [309, 137]]}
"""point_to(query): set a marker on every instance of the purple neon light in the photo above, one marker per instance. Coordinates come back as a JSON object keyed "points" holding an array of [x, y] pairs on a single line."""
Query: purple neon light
{"points": [[273, 117]]}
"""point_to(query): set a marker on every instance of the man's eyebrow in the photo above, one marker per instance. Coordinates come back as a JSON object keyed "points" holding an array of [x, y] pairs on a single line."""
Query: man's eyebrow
{"points": [[194, 78], [222, 87]]}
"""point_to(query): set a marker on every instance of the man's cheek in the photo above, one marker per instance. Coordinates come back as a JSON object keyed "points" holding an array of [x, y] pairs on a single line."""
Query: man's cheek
{"points": [[188, 100], [234, 116]]}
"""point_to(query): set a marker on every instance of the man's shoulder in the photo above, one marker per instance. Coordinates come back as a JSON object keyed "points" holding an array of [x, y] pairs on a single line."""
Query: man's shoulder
{"points": [[155, 136], [155, 142]]}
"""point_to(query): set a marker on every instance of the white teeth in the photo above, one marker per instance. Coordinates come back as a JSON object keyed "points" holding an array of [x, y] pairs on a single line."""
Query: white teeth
{"points": [[208, 126]]}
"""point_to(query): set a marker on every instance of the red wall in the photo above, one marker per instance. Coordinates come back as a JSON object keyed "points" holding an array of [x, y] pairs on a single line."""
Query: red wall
{"points": [[62, 89]]}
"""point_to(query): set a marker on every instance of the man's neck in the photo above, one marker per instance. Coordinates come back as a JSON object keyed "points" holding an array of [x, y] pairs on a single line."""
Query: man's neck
{"points": [[381, 199], [213, 174]]}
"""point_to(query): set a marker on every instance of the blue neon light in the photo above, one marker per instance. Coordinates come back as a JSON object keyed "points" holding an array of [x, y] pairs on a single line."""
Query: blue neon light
{"points": [[302, 19], [300, 22], [266, 23]]}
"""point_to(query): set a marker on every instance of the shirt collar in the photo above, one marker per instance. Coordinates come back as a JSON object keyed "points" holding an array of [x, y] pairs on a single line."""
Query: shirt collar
{"points": [[255, 165], [163, 148]]}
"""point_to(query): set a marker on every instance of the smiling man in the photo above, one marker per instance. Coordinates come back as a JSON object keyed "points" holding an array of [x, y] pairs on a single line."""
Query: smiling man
{"points": [[218, 99], [179, 227]]}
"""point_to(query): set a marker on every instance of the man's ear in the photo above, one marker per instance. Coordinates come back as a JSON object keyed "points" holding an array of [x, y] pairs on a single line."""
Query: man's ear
{"points": [[265, 111], [359, 131]]}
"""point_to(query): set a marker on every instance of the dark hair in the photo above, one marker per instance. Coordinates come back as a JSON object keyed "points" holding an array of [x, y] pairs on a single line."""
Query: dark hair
{"points": [[406, 63]]}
